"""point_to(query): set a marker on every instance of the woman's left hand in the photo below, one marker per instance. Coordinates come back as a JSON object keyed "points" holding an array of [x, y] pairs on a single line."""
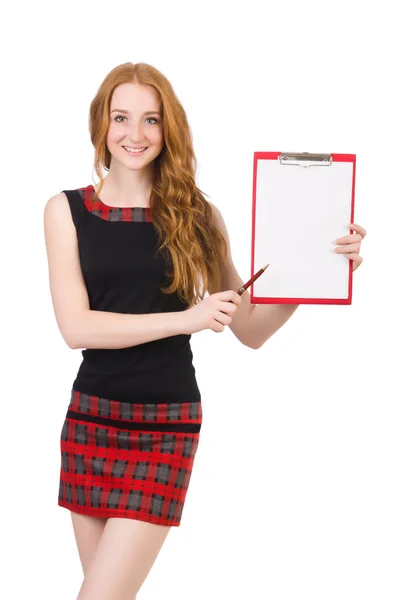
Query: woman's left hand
{"points": [[350, 245]]}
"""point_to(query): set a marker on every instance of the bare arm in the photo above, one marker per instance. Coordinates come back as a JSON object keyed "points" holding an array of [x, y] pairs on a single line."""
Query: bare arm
{"points": [[81, 327], [100, 329], [253, 324], [265, 319]]}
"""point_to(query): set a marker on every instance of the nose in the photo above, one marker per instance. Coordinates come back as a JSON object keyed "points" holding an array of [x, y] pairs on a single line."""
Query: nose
{"points": [[136, 131]]}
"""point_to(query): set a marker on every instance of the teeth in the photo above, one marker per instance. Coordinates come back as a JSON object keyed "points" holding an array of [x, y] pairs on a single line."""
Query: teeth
{"points": [[134, 149]]}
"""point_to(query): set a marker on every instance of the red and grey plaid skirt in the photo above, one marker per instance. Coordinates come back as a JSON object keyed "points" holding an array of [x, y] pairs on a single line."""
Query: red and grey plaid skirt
{"points": [[121, 459]]}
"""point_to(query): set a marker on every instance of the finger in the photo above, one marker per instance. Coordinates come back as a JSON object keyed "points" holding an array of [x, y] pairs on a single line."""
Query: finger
{"points": [[227, 306], [349, 239], [357, 228], [356, 258], [347, 249]]}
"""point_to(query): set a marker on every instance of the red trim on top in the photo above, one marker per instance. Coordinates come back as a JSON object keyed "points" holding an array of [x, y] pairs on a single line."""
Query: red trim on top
{"points": [[128, 213]]}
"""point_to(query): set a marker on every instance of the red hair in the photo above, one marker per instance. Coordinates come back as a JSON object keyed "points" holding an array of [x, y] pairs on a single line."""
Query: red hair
{"points": [[181, 215]]}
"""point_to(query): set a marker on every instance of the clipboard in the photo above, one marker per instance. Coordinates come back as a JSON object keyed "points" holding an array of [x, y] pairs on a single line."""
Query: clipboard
{"points": [[301, 203]]}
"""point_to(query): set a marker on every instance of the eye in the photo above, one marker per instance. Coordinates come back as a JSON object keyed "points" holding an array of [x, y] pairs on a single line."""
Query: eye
{"points": [[123, 117]]}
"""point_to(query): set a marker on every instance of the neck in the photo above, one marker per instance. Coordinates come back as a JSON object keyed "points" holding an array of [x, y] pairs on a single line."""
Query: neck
{"points": [[126, 187]]}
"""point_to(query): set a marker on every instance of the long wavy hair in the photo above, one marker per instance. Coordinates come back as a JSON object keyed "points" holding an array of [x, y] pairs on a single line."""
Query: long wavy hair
{"points": [[194, 249]]}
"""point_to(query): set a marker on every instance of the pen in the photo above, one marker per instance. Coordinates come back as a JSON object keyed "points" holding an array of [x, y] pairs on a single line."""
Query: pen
{"points": [[251, 281]]}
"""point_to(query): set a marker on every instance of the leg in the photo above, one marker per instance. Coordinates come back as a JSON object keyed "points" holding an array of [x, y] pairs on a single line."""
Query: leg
{"points": [[125, 554], [87, 531]]}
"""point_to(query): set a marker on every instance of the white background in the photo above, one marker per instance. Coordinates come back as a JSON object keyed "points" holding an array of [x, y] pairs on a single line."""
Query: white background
{"points": [[293, 493]]}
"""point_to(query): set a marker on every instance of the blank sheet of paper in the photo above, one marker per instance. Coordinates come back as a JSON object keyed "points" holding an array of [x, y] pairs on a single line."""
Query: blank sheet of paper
{"points": [[298, 212]]}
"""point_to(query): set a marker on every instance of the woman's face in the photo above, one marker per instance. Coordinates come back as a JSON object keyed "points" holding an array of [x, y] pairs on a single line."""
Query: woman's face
{"points": [[135, 122]]}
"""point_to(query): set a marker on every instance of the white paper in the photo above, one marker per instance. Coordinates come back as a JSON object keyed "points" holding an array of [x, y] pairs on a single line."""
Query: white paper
{"points": [[300, 211]]}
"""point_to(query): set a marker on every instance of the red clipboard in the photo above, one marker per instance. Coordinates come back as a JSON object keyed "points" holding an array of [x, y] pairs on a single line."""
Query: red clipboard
{"points": [[301, 203]]}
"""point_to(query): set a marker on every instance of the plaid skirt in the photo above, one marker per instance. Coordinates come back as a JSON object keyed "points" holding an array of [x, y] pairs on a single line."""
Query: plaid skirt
{"points": [[121, 459]]}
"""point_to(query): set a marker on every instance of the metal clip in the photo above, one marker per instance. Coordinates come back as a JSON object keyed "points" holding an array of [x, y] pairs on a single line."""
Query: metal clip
{"points": [[305, 159]]}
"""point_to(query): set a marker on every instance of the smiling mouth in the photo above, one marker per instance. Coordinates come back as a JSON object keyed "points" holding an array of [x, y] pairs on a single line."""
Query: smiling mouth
{"points": [[134, 152]]}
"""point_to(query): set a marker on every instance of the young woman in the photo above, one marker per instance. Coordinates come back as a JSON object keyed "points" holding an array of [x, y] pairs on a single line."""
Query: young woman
{"points": [[130, 261]]}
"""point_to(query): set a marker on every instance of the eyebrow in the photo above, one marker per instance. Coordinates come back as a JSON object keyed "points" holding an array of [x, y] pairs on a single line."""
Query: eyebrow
{"points": [[148, 112]]}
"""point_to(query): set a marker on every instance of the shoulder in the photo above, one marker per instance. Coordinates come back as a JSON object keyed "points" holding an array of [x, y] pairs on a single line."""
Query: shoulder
{"points": [[57, 209], [218, 221], [56, 202], [215, 210]]}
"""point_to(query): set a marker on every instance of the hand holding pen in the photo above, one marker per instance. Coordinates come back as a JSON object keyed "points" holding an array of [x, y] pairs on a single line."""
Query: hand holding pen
{"points": [[216, 311]]}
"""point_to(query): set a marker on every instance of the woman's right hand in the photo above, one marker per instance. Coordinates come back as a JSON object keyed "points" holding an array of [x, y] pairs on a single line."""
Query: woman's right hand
{"points": [[213, 312]]}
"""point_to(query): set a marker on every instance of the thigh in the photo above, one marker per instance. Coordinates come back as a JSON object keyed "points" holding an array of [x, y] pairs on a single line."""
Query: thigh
{"points": [[87, 531], [124, 556]]}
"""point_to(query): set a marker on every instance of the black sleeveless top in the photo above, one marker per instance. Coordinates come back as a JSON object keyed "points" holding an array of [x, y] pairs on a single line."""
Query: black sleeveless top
{"points": [[122, 275]]}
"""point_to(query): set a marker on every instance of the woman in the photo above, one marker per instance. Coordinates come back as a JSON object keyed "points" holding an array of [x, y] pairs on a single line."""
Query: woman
{"points": [[130, 261]]}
